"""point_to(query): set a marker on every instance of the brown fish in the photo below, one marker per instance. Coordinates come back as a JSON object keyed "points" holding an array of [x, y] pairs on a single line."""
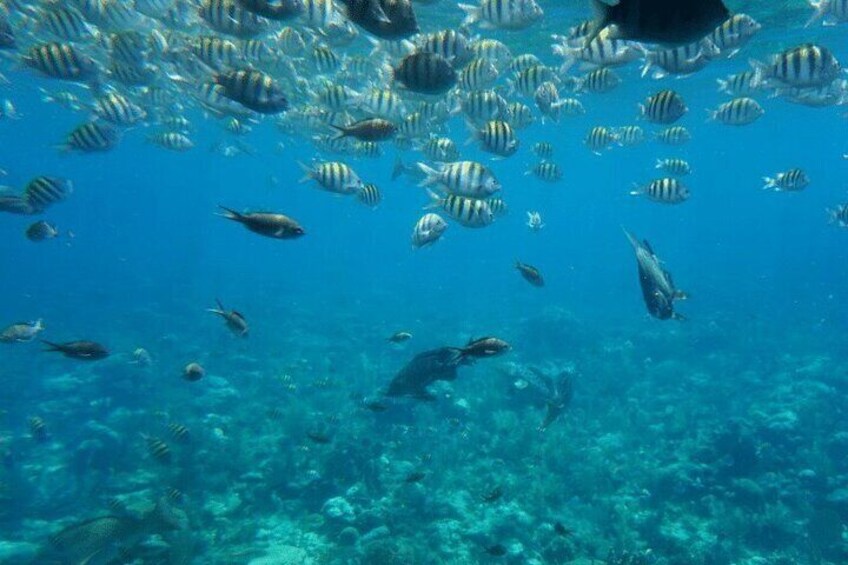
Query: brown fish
{"points": [[82, 350], [485, 347], [530, 273], [276, 226], [234, 320]]}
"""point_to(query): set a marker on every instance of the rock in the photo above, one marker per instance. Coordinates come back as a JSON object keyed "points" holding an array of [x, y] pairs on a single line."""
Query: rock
{"points": [[349, 536], [338, 508], [282, 555]]}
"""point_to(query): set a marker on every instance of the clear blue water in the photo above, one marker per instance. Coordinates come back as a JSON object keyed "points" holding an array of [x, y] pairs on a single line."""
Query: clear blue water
{"points": [[765, 272]]}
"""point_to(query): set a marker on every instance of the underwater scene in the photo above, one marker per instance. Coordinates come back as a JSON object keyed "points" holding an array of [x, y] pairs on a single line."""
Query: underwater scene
{"points": [[402, 282]]}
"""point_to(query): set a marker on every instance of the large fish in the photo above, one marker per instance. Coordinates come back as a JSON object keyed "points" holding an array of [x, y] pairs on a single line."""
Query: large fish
{"points": [[425, 369], [667, 22], [658, 288]]}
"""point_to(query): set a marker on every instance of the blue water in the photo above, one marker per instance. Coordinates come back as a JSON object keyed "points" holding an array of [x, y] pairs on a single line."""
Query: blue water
{"points": [[765, 272]]}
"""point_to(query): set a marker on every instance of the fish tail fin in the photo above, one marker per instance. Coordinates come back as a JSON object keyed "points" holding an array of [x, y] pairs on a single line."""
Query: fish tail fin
{"points": [[821, 8], [399, 168], [432, 175], [51, 346], [339, 133], [769, 183], [436, 200], [230, 214], [308, 173], [681, 295], [723, 85], [660, 164], [473, 14]]}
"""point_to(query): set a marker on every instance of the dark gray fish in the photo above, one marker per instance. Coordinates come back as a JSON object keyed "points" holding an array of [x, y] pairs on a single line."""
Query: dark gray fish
{"points": [[425, 73], [557, 394], [276, 226], [82, 350], [370, 129], [667, 22], [386, 19], [425, 369], [274, 9], [234, 319], [658, 288]]}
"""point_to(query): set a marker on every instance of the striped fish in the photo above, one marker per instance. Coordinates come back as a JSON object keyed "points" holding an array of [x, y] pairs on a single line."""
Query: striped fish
{"points": [[91, 137], [804, 66], [497, 137], [42, 192], [664, 107], [677, 167], [60, 61], [469, 212], [666, 191], [231, 18], [600, 138], [462, 178], [333, 176], [118, 109], [369, 195], [738, 112], [546, 171], [674, 135], [787, 181]]}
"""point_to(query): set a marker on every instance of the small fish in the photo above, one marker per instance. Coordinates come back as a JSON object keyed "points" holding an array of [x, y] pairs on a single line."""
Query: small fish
{"points": [[530, 273], [369, 195], [141, 357], [543, 149], [277, 10], [254, 90], [399, 337], [193, 372], [82, 350], [666, 191], [462, 178], [428, 230], [275, 226], [546, 171], [158, 449], [630, 136], [677, 167], [38, 429], [534, 221], [469, 212], [664, 107], [370, 129], [838, 215], [179, 432], [333, 176], [738, 112], [172, 140], [234, 320], [44, 191], [561, 530], [804, 66], [497, 137], [414, 477], [600, 138], [502, 14], [41, 230], [21, 332], [485, 347], [787, 181], [320, 437], [91, 137], [674, 135], [425, 73], [492, 495]]}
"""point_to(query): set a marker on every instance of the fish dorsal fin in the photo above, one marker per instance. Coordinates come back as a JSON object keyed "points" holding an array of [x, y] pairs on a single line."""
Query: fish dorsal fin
{"points": [[648, 246]]}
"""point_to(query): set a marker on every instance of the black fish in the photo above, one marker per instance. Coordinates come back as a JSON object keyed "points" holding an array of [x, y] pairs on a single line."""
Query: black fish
{"points": [[276, 226], [492, 495], [658, 288], [668, 22], [558, 396], [415, 477], [425, 369], [234, 319], [83, 350], [274, 9], [386, 19], [370, 129], [485, 347]]}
